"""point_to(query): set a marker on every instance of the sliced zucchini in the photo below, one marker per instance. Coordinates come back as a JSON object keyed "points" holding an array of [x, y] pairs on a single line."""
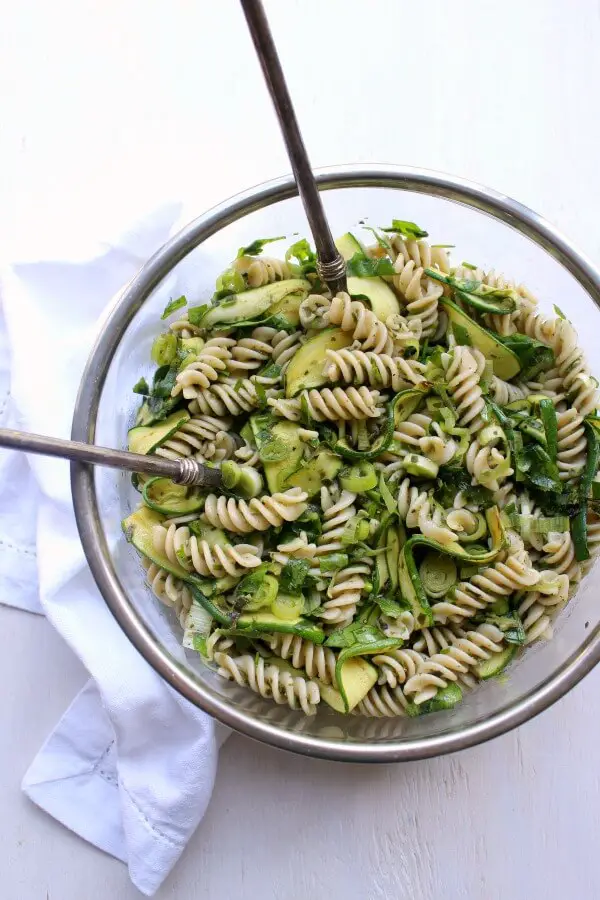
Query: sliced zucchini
{"points": [[278, 471], [146, 438], [420, 466], [445, 698], [258, 623], [305, 369], [506, 363], [496, 664], [164, 496], [358, 677], [138, 530], [254, 304], [359, 478], [394, 539], [288, 607], [382, 299], [311, 477]]}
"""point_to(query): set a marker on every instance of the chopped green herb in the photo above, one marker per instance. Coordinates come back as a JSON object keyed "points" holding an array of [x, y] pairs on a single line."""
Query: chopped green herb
{"points": [[408, 230], [257, 246], [173, 305], [141, 387], [363, 266]]}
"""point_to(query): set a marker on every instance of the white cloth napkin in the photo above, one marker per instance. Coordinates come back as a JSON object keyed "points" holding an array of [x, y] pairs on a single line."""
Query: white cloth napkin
{"points": [[131, 765]]}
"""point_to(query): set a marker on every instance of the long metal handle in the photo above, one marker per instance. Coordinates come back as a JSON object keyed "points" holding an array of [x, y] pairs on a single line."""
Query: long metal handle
{"points": [[331, 266], [181, 471]]}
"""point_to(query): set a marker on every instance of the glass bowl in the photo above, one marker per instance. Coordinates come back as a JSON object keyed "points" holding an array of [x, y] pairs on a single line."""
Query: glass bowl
{"points": [[486, 228]]}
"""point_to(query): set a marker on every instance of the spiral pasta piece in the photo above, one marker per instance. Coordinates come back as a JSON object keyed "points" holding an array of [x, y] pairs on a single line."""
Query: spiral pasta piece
{"points": [[464, 367], [212, 361], [257, 514], [439, 639], [314, 312], [217, 643], [248, 354], [499, 580], [270, 681], [183, 328], [405, 333], [593, 541], [538, 610], [193, 438], [436, 671], [421, 292], [487, 465], [571, 444], [559, 555], [247, 455], [417, 509], [337, 511], [580, 387], [352, 315], [382, 701], [231, 397], [182, 547], [503, 392], [380, 370], [396, 666], [257, 271], [344, 593], [330, 404], [171, 591], [503, 324], [317, 661]]}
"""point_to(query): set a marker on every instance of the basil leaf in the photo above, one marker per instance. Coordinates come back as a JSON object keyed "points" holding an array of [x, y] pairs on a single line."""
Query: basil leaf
{"points": [[141, 387], [362, 266], [534, 356], [257, 246], [408, 230], [196, 313], [172, 305], [293, 575]]}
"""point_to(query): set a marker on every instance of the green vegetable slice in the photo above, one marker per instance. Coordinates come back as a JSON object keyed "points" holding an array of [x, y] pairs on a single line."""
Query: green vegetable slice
{"points": [[288, 607], [482, 297], [172, 499], [548, 415], [438, 574], [359, 478], [445, 698], [579, 522]]}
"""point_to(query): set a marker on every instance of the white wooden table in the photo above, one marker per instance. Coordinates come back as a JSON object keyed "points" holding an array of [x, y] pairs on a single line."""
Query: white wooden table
{"points": [[114, 106]]}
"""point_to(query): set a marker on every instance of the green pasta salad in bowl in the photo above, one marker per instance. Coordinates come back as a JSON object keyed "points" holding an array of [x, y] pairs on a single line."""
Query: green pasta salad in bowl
{"points": [[407, 473], [410, 499]]}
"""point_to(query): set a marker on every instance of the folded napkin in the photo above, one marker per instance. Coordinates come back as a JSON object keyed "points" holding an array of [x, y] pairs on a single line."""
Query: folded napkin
{"points": [[131, 765]]}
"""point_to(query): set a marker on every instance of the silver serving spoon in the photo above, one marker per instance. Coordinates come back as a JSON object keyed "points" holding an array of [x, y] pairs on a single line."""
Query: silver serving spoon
{"points": [[330, 266]]}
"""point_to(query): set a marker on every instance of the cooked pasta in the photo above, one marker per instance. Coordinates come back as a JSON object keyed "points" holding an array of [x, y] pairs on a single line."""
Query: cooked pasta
{"points": [[353, 316], [355, 366], [258, 514], [270, 681], [408, 497], [334, 404]]}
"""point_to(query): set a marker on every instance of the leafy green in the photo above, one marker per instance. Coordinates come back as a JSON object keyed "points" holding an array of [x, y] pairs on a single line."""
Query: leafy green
{"points": [[408, 230], [445, 698], [389, 607], [330, 563], [559, 312], [363, 266], [229, 282], [257, 246], [451, 480], [141, 387], [305, 257], [477, 294], [159, 402], [196, 313], [381, 241], [357, 639], [199, 641], [173, 305], [293, 575], [579, 522], [549, 421], [534, 356], [538, 468]]}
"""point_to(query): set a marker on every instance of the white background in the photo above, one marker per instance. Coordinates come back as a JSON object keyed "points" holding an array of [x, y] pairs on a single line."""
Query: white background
{"points": [[108, 108]]}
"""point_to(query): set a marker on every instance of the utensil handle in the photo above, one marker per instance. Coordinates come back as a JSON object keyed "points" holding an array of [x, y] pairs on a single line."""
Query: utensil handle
{"points": [[331, 266], [181, 471]]}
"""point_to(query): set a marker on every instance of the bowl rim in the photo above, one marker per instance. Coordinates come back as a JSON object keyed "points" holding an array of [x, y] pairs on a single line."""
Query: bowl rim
{"points": [[112, 328]]}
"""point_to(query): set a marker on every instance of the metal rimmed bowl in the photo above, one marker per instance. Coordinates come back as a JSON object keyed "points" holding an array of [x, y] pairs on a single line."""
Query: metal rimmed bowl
{"points": [[488, 229]]}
